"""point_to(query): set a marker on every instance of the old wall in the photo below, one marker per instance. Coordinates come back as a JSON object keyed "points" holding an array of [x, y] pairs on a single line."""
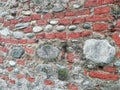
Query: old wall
{"points": [[59, 44]]}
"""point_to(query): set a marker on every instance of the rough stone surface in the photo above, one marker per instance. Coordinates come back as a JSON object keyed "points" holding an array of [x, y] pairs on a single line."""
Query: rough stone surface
{"points": [[99, 51], [37, 29]]}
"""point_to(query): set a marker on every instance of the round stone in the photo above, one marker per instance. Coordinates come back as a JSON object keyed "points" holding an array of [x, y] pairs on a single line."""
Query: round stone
{"points": [[86, 26], [48, 52], [12, 63], [98, 51], [53, 22], [60, 28], [48, 28], [37, 29], [18, 35], [26, 13], [17, 52], [76, 6], [72, 27]]}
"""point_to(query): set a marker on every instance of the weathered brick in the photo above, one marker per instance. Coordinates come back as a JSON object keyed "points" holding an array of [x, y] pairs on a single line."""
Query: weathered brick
{"points": [[96, 18], [65, 21], [49, 83], [42, 22], [83, 12], [21, 62], [118, 24], [102, 10], [19, 76], [22, 41], [29, 50], [6, 23], [1, 20], [110, 69], [78, 20], [118, 54], [59, 15], [100, 26], [70, 13], [72, 87], [3, 49], [74, 35], [1, 60], [31, 41], [26, 19], [11, 81], [40, 35], [30, 79], [93, 3], [14, 21], [50, 35], [28, 30], [70, 57], [86, 33], [47, 16], [61, 35], [9, 69], [35, 17], [101, 75], [116, 38]]}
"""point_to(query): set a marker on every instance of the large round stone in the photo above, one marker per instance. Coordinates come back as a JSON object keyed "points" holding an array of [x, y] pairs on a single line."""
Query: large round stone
{"points": [[99, 51], [48, 52], [17, 52]]}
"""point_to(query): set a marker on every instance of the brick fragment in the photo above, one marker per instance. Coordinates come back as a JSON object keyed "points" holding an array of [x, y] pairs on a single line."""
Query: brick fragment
{"points": [[100, 27]]}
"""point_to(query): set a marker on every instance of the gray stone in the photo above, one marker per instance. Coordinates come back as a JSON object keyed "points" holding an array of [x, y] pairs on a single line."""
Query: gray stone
{"points": [[18, 35], [17, 52], [37, 2], [76, 6], [22, 25], [99, 51], [117, 63], [72, 27], [86, 26], [27, 13], [60, 28], [48, 28], [48, 52], [30, 35], [5, 32], [37, 29], [9, 17], [4, 13], [12, 63], [58, 8], [53, 22]]}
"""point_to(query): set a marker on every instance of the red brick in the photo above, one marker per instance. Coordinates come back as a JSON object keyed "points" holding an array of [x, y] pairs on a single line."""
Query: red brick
{"points": [[116, 38], [70, 57], [74, 35], [30, 79], [110, 69], [93, 3], [100, 26], [23, 41], [118, 54], [9, 69], [61, 35], [19, 76], [35, 17], [70, 13], [1, 60], [65, 21], [86, 33], [14, 21], [29, 50], [48, 16], [96, 18], [3, 49], [27, 30], [4, 77], [26, 19], [42, 22], [102, 10], [6, 23], [72, 87], [118, 24], [83, 12], [1, 20], [59, 15], [31, 41], [13, 41], [40, 35], [78, 20], [101, 75], [49, 83], [50, 35], [12, 81], [21, 62]]}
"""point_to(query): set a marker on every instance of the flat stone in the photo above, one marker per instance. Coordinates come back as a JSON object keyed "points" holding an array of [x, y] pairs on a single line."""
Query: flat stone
{"points": [[76, 6], [18, 35], [86, 26], [12, 63], [17, 52], [48, 28], [37, 29], [30, 35], [27, 13], [72, 27], [48, 52], [5, 32], [60, 28], [58, 8], [98, 51], [53, 22], [22, 25], [4, 13]]}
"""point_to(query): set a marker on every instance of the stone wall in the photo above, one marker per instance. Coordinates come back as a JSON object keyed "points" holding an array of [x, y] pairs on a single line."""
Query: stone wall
{"points": [[59, 44]]}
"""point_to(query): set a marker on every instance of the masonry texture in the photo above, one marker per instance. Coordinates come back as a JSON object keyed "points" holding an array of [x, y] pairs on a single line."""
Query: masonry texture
{"points": [[59, 44]]}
